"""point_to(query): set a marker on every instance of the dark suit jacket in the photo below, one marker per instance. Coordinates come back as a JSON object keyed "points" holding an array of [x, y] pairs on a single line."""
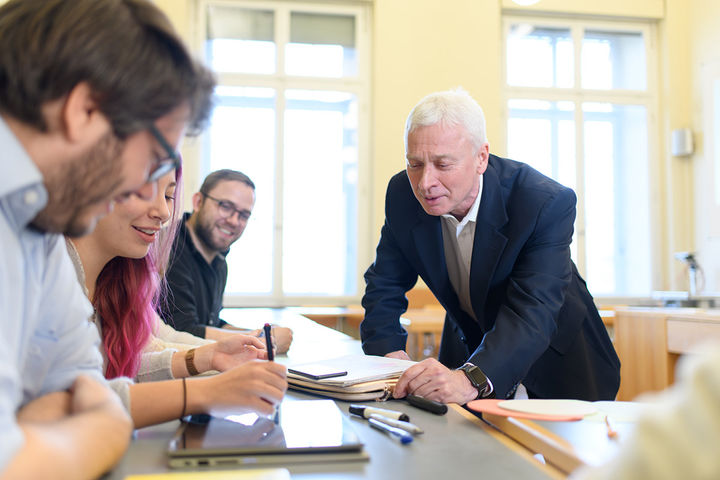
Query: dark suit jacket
{"points": [[536, 321]]}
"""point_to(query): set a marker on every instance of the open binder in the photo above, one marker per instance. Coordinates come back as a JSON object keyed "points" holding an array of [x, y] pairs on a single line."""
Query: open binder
{"points": [[368, 378]]}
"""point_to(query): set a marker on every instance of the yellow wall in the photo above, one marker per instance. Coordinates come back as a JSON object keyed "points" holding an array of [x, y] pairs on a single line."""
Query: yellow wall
{"points": [[704, 63], [617, 8], [675, 174], [420, 46]]}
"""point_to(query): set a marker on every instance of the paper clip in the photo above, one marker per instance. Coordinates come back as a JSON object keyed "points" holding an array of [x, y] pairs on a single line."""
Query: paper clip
{"points": [[611, 432]]}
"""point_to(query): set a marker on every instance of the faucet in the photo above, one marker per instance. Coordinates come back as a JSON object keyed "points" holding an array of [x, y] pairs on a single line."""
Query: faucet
{"points": [[693, 266]]}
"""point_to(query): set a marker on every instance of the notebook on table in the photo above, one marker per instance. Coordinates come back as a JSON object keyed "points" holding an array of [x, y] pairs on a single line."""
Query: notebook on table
{"points": [[367, 377], [307, 431]]}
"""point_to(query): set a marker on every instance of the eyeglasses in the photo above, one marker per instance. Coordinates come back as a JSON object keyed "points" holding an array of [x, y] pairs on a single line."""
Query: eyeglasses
{"points": [[172, 162], [228, 209]]}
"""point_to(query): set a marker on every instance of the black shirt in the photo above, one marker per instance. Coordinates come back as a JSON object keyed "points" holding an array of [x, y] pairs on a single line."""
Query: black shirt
{"points": [[195, 288]]}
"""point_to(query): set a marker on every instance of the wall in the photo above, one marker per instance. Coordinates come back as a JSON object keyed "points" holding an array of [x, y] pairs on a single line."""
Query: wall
{"points": [[616, 8], [704, 59], [421, 46], [180, 13], [675, 183]]}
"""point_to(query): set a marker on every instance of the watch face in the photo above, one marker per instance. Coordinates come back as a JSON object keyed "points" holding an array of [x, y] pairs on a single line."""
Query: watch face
{"points": [[475, 375]]}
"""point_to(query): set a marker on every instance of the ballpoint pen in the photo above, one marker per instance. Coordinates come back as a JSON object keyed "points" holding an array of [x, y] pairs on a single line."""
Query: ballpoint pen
{"points": [[407, 426], [271, 357], [268, 342], [397, 433]]}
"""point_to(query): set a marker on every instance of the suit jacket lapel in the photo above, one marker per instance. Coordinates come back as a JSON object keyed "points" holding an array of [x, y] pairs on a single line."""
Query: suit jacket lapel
{"points": [[489, 242]]}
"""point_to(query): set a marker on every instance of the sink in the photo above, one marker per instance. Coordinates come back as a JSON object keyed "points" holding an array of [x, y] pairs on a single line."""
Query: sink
{"points": [[681, 299]]}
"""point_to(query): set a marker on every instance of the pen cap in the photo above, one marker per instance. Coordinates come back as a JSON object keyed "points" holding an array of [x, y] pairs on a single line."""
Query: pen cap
{"points": [[357, 410]]}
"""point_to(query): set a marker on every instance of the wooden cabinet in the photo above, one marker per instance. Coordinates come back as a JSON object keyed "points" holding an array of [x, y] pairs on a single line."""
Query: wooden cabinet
{"points": [[649, 342]]}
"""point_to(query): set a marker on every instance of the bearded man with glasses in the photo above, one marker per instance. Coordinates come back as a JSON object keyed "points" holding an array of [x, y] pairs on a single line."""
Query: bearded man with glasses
{"points": [[197, 273]]}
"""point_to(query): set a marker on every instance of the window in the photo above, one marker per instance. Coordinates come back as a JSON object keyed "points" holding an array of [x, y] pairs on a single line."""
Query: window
{"points": [[291, 112], [580, 109]]}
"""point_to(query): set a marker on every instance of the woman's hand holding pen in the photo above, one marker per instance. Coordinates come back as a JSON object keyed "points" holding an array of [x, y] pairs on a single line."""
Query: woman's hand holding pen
{"points": [[231, 352], [254, 386], [282, 338]]}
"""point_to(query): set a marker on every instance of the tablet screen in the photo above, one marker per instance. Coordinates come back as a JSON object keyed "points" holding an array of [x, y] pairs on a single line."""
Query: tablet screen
{"points": [[302, 425]]}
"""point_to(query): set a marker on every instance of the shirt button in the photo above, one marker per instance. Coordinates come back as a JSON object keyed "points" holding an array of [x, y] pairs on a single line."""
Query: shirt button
{"points": [[31, 197]]}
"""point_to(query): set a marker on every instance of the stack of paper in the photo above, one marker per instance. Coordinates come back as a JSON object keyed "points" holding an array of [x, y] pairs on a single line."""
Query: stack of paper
{"points": [[368, 378]]}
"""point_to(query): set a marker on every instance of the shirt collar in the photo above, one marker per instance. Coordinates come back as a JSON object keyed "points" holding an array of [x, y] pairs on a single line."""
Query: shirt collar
{"points": [[21, 180], [23, 170], [472, 213]]}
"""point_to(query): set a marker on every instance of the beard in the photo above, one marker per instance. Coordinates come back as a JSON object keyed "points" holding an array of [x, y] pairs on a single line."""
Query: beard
{"points": [[204, 231], [79, 185], [204, 234]]}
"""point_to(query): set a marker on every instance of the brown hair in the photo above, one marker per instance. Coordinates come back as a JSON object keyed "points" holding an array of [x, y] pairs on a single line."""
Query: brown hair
{"points": [[126, 50], [224, 175]]}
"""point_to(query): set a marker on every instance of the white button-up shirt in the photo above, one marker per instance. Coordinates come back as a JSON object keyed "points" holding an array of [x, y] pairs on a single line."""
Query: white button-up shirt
{"points": [[46, 340], [458, 239]]}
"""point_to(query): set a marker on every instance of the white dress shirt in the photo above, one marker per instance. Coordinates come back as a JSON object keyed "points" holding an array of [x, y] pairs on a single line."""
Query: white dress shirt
{"points": [[458, 239]]}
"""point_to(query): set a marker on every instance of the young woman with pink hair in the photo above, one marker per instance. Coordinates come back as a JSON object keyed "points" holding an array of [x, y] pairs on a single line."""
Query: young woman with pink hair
{"points": [[120, 265]]}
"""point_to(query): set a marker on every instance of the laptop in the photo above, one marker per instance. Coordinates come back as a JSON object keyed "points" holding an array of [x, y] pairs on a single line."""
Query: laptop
{"points": [[303, 431]]}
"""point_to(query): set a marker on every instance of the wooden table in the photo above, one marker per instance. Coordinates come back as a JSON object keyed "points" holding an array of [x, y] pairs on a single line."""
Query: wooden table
{"points": [[344, 319], [570, 445]]}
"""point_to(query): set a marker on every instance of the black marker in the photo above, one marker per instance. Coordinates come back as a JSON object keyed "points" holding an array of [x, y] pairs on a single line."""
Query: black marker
{"points": [[365, 412], [428, 405], [268, 342]]}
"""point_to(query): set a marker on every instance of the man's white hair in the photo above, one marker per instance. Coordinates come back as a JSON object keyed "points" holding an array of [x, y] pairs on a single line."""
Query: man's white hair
{"points": [[449, 108]]}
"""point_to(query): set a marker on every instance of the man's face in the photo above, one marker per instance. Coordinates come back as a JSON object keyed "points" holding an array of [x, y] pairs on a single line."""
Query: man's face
{"points": [[214, 227], [443, 167], [84, 189]]}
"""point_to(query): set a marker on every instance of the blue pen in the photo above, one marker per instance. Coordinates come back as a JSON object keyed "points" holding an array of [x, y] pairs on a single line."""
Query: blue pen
{"points": [[401, 435]]}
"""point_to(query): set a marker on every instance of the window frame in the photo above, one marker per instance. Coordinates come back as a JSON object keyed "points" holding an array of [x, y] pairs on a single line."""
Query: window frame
{"points": [[649, 98], [358, 85]]}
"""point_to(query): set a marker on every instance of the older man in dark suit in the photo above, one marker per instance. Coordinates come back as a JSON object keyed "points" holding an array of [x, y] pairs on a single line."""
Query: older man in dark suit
{"points": [[491, 239]]}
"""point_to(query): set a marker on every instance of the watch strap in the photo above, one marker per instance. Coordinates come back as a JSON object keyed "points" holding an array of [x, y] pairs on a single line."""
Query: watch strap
{"points": [[190, 362], [485, 389]]}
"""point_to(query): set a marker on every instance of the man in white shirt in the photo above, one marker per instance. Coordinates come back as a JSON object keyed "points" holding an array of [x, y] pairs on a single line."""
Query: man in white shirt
{"points": [[95, 95]]}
